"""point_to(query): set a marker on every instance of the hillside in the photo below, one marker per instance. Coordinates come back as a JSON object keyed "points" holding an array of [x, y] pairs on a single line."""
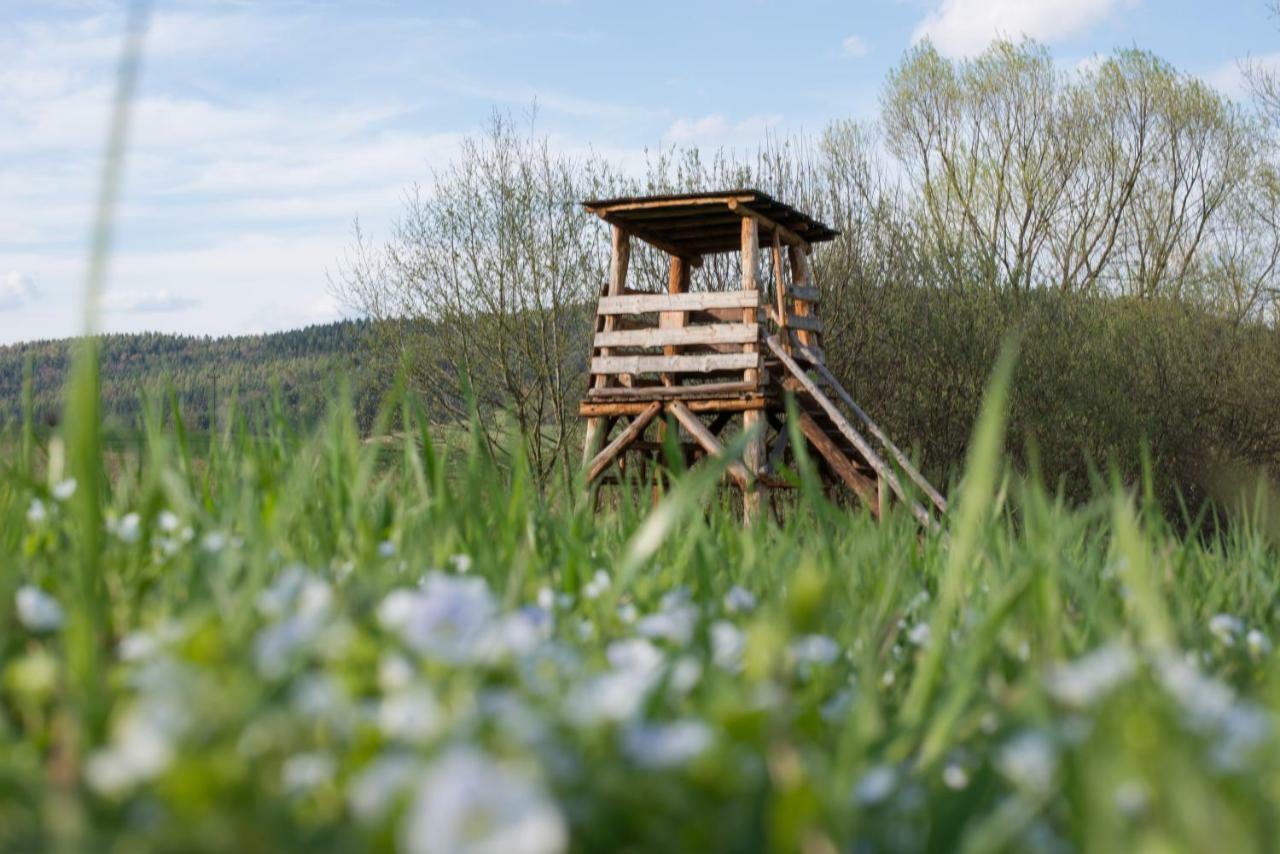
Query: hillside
{"points": [[303, 365]]}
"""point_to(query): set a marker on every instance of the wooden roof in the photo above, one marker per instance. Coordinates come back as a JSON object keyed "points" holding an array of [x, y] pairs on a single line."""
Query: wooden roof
{"points": [[695, 224]]}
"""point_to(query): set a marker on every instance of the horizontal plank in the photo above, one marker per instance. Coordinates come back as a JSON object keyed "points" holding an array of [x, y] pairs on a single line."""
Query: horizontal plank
{"points": [[679, 302], [607, 409], [808, 324], [679, 392], [689, 364], [714, 333], [803, 293]]}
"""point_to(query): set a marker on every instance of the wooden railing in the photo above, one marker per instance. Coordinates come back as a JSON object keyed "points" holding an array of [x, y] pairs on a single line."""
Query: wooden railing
{"points": [[726, 342]]}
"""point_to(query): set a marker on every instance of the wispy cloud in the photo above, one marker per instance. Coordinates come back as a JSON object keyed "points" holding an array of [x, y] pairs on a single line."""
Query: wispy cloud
{"points": [[163, 301], [717, 130], [965, 27], [16, 290], [854, 46], [1231, 78]]}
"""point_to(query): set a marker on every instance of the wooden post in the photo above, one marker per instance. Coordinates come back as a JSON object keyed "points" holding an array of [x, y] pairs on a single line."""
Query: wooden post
{"points": [[800, 278], [781, 284], [754, 454], [618, 263]]}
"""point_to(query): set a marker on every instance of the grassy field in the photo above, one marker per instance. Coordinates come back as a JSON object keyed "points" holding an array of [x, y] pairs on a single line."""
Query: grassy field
{"points": [[314, 642]]}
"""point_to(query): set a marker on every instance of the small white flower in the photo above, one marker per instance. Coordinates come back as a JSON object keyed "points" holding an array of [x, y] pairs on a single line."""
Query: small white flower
{"points": [[64, 489], [1258, 643], [1226, 628], [140, 750], [814, 649], [1084, 681], [674, 621], [627, 613], [1029, 761], [129, 528], [739, 600], [919, 635], [470, 804], [387, 548], [954, 776], [168, 521], [1131, 798], [373, 792], [213, 542], [411, 714], [394, 672], [461, 563], [37, 513], [445, 620], [666, 745], [37, 610], [546, 598], [303, 772], [876, 785], [727, 645], [685, 674], [888, 678], [598, 584]]}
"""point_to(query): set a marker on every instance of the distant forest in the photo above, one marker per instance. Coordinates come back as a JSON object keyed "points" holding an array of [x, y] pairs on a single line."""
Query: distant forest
{"points": [[302, 366]]}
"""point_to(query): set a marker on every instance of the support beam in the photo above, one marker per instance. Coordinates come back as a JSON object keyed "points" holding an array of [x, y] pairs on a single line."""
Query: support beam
{"points": [[787, 235], [695, 428], [619, 260], [863, 486], [633, 431], [754, 453]]}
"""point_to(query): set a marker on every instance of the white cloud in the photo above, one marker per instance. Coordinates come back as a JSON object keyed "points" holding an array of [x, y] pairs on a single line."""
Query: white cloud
{"points": [[162, 301], [16, 290], [716, 130], [960, 28], [854, 46], [1230, 78]]}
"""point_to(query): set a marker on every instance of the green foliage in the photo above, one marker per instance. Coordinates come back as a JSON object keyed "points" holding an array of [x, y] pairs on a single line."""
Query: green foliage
{"points": [[210, 377], [1100, 384]]}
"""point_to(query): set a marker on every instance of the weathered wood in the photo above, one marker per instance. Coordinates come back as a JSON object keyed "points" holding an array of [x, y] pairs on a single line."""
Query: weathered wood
{"points": [[807, 323], [709, 201], [713, 333], [680, 392], [863, 486], [695, 428], [806, 294], [619, 261], [654, 240], [677, 283], [903, 461], [754, 452], [777, 228], [597, 429], [594, 408], [855, 438], [656, 303], [633, 431], [800, 278], [780, 283], [698, 363]]}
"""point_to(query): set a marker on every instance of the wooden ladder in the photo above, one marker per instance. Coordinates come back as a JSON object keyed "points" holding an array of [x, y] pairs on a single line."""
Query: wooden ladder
{"points": [[848, 451]]}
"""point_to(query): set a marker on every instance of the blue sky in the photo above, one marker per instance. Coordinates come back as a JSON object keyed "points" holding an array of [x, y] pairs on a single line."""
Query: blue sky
{"points": [[263, 128]]}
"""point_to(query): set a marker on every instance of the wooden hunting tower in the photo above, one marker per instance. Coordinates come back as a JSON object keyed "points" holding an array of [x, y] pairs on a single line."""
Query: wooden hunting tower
{"points": [[711, 358]]}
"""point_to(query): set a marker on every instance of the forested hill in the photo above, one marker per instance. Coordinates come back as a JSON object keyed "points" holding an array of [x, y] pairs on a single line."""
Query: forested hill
{"points": [[303, 365]]}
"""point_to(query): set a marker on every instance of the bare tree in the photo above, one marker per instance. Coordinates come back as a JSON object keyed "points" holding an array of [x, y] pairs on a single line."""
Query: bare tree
{"points": [[485, 284]]}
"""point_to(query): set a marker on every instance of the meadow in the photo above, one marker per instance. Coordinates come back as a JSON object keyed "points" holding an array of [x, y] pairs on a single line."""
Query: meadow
{"points": [[301, 640]]}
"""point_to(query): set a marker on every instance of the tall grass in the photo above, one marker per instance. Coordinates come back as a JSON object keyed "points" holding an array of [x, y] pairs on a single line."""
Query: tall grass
{"points": [[1040, 676]]}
